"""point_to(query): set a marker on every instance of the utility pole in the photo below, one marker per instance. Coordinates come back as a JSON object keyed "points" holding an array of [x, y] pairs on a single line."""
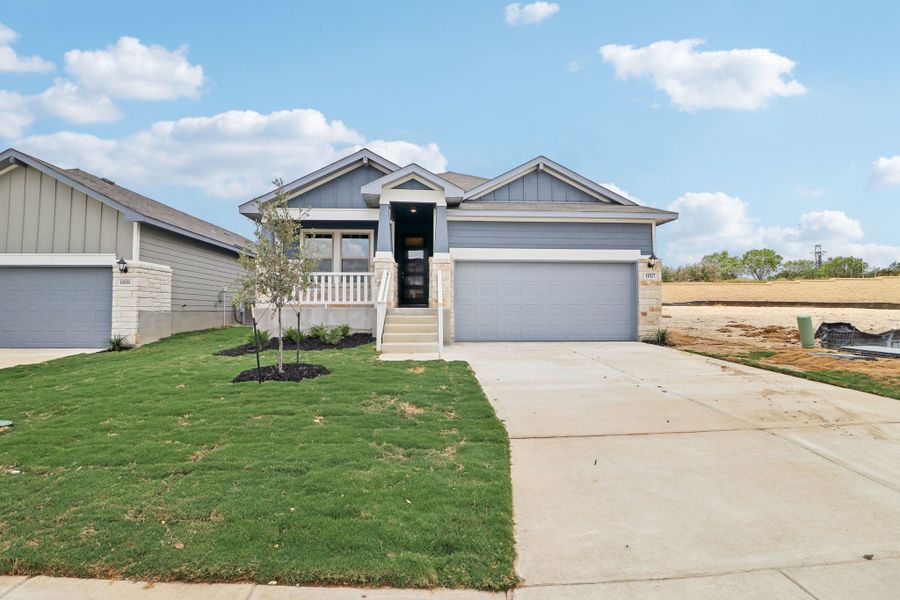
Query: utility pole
{"points": [[818, 253]]}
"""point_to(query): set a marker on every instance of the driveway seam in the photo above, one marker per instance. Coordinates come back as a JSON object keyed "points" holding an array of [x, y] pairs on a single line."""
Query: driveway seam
{"points": [[15, 587], [798, 584]]}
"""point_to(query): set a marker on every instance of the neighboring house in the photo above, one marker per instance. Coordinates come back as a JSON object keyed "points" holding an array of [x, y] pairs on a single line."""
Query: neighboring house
{"points": [[62, 235], [536, 253]]}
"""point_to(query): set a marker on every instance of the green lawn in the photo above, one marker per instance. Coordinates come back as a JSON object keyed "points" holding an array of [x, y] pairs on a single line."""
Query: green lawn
{"points": [[151, 464]]}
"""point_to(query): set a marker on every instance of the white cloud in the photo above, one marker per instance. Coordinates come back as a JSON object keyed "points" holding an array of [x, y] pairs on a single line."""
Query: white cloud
{"points": [[15, 114], [233, 155], [810, 193], [11, 62], [740, 79], [709, 222], [529, 14], [67, 101], [613, 187], [129, 69], [886, 171]]}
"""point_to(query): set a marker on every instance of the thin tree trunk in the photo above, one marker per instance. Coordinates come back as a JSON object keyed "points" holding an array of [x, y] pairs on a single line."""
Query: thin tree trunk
{"points": [[280, 344]]}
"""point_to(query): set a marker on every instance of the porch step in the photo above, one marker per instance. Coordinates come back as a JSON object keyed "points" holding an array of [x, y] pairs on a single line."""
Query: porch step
{"points": [[391, 320], [409, 347], [407, 327], [393, 336], [412, 311]]}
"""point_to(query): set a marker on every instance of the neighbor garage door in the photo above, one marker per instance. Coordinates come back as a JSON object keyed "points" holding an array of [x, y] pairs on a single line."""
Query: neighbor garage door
{"points": [[55, 307], [545, 301]]}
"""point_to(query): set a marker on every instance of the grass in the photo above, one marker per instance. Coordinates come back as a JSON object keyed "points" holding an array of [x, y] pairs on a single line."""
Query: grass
{"points": [[846, 379], [150, 464]]}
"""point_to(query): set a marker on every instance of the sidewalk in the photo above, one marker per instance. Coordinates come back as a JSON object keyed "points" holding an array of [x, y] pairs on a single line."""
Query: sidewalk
{"points": [[64, 588]]}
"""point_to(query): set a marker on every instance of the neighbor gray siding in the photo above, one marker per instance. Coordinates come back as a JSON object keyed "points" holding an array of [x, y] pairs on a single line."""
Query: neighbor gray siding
{"points": [[602, 236], [537, 186], [199, 271], [340, 192], [40, 214]]}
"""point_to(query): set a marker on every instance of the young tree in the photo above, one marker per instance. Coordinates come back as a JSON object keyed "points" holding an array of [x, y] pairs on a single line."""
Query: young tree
{"points": [[844, 266], [761, 263], [728, 266], [798, 269], [277, 263]]}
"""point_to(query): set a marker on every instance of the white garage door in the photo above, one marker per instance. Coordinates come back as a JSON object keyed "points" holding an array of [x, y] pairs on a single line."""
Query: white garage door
{"points": [[522, 301], [55, 307]]}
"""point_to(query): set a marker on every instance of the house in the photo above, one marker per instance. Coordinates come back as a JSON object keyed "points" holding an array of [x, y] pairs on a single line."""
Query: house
{"points": [[422, 259], [83, 259]]}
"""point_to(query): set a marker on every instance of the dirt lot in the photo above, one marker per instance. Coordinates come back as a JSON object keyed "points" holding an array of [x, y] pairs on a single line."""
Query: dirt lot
{"points": [[737, 331]]}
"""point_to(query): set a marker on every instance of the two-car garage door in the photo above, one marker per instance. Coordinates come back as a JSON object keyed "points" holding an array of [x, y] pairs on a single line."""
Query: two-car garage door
{"points": [[55, 307], [521, 301]]}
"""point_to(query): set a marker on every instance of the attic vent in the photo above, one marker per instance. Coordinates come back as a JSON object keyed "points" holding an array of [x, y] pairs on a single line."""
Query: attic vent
{"points": [[109, 181]]}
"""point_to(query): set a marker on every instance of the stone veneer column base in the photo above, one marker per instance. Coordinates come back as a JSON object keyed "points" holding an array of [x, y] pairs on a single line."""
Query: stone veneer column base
{"points": [[146, 287], [649, 299], [381, 265], [445, 267]]}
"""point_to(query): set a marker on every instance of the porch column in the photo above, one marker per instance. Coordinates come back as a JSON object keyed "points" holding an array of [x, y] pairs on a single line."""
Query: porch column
{"points": [[384, 230], [441, 242]]}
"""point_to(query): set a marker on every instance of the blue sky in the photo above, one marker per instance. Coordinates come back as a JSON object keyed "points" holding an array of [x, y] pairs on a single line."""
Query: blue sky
{"points": [[780, 129]]}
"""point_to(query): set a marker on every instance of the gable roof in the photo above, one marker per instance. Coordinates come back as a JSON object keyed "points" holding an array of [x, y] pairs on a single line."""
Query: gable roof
{"points": [[135, 207], [372, 191], [463, 180], [349, 162], [542, 163]]}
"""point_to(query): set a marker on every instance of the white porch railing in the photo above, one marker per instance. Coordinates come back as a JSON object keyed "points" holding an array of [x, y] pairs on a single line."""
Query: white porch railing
{"points": [[381, 307], [440, 313], [338, 288]]}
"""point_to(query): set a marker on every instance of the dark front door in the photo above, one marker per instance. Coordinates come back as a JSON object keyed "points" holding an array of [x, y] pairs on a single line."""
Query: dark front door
{"points": [[413, 270]]}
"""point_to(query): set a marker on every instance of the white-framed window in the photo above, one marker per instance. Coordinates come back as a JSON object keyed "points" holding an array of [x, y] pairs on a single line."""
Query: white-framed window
{"points": [[342, 251]]}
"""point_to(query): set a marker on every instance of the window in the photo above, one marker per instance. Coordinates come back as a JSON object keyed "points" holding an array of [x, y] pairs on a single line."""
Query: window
{"points": [[354, 252], [321, 248]]}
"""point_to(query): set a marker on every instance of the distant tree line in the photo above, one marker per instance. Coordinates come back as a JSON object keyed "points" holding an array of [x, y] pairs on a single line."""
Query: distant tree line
{"points": [[765, 264]]}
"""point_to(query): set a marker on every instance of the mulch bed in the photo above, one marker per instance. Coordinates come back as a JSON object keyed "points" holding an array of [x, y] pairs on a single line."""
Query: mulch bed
{"points": [[351, 341], [292, 372]]}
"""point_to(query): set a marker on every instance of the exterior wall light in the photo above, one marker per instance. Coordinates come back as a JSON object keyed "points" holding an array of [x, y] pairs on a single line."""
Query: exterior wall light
{"points": [[651, 262], [123, 266]]}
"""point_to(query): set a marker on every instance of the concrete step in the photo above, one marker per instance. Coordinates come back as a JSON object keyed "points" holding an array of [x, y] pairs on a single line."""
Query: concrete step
{"points": [[409, 348], [412, 311], [393, 337], [404, 327], [410, 320]]}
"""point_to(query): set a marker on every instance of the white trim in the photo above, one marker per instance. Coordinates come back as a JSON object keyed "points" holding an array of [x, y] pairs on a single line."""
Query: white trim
{"points": [[543, 218], [544, 255], [444, 255], [383, 254], [136, 241], [57, 260], [334, 214], [653, 239], [8, 169]]}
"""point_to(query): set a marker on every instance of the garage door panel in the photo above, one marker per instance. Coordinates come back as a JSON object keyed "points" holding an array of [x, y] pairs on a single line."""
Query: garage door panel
{"points": [[55, 307], [545, 301]]}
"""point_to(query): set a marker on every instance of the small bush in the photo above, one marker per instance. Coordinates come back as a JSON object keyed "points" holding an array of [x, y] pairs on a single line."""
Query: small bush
{"points": [[345, 330], [294, 335], [331, 335], [118, 343], [660, 338], [262, 338], [318, 331]]}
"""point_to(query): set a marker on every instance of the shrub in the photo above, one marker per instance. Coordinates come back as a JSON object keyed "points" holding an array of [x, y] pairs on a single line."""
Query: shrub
{"points": [[345, 330], [118, 343], [331, 335], [318, 331], [660, 338], [262, 338], [294, 335]]}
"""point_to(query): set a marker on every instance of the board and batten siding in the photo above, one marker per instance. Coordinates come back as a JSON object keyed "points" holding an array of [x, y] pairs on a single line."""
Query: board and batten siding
{"points": [[40, 214], [199, 271], [581, 236], [341, 192], [537, 186]]}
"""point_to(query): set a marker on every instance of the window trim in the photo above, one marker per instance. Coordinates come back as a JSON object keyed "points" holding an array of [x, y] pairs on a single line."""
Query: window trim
{"points": [[336, 245]]}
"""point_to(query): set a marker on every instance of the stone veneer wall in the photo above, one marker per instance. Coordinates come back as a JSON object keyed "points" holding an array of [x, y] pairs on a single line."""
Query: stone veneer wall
{"points": [[445, 267], [649, 299], [146, 287], [380, 265], [867, 290]]}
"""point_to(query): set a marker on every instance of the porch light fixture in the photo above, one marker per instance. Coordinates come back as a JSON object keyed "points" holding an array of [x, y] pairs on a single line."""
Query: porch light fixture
{"points": [[123, 266], [412, 209], [651, 262]]}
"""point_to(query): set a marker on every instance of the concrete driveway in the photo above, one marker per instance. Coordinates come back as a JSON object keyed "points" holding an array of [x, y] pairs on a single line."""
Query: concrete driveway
{"points": [[13, 357], [645, 472]]}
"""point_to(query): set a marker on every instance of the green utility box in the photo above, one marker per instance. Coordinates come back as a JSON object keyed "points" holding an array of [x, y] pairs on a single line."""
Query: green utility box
{"points": [[807, 336]]}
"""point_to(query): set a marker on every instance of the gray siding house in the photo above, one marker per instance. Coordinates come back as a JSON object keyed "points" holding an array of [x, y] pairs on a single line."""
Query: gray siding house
{"points": [[62, 235], [423, 259]]}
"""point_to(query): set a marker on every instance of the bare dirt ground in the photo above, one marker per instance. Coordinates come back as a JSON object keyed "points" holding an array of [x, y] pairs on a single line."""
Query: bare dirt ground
{"points": [[739, 330]]}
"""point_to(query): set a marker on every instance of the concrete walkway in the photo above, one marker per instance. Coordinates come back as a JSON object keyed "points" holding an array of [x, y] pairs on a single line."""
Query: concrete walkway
{"points": [[13, 357], [645, 472]]}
